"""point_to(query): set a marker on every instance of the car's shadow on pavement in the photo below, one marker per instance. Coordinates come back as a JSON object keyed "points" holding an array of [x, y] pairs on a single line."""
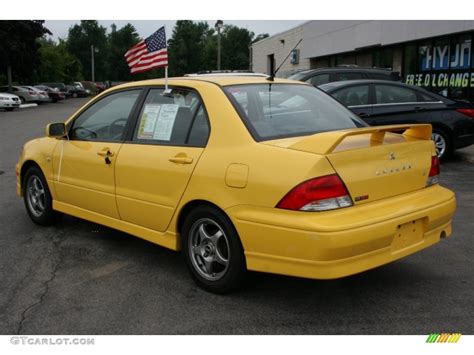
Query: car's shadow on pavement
{"points": [[109, 282], [386, 279]]}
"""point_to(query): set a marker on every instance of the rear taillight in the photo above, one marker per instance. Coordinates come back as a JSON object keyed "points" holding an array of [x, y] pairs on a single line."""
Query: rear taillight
{"points": [[434, 171], [31, 92], [466, 111], [319, 194]]}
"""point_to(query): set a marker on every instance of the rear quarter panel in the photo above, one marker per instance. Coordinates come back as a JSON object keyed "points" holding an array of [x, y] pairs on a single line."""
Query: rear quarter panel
{"points": [[269, 172]]}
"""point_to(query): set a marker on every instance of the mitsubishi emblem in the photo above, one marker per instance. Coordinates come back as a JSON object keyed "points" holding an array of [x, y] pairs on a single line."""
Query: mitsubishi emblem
{"points": [[391, 156]]}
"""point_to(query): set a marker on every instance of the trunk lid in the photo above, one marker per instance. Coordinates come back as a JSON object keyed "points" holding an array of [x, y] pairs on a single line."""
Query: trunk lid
{"points": [[374, 162]]}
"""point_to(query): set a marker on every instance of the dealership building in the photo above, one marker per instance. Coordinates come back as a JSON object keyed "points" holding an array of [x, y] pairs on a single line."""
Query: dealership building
{"points": [[437, 55]]}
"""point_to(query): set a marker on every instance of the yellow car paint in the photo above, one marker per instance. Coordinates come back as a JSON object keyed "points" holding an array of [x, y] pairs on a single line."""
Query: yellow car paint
{"points": [[145, 188]]}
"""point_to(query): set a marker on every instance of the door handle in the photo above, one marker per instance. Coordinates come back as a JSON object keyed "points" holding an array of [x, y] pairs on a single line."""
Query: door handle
{"points": [[363, 114], [181, 159], [105, 153], [418, 108]]}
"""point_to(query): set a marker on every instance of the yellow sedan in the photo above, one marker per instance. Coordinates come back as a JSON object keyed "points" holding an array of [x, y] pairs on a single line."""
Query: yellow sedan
{"points": [[241, 173]]}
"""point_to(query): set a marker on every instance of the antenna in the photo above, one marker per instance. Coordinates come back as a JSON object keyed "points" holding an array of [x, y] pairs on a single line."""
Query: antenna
{"points": [[272, 75]]}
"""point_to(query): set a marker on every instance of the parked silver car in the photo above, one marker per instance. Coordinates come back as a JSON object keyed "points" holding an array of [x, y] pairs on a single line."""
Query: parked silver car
{"points": [[43, 95], [26, 95]]}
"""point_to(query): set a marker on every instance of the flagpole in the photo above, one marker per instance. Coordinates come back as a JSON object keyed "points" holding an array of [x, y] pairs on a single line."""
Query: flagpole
{"points": [[166, 78]]}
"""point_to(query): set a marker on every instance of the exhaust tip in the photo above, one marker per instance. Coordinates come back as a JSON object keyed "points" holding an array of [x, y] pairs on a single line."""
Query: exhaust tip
{"points": [[442, 235]]}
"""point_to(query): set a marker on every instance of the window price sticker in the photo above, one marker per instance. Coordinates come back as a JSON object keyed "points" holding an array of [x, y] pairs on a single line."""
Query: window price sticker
{"points": [[165, 122], [157, 121], [148, 120]]}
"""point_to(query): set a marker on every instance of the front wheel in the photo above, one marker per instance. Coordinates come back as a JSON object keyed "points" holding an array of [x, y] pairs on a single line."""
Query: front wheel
{"points": [[442, 143], [37, 197], [212, 250]]}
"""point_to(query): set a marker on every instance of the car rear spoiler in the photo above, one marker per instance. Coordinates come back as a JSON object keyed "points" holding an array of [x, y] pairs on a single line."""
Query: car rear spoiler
{"points": [[325, 143]]}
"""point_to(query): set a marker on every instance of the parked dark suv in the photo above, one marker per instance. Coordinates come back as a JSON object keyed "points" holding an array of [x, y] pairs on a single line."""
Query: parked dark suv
{"points": [[322, 76]]}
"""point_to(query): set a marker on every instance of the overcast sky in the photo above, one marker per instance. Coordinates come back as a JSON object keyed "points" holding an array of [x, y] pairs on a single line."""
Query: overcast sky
{"points": [[59, 28]]}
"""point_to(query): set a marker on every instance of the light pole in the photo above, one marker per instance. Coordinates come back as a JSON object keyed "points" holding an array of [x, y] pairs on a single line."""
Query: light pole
{"points": [[93, 51], [219, 24]]}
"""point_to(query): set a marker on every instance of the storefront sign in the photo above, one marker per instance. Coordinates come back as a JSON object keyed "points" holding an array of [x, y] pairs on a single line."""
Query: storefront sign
{"points": [[442, 80], [446, 57]]}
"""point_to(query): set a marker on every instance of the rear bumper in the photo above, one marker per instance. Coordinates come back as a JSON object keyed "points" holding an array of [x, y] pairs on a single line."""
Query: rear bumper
{"points": [[344, 242]]}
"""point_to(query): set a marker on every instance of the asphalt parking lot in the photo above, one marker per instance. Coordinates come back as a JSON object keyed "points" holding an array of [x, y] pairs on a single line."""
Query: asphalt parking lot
{"points": [[81, 278]]}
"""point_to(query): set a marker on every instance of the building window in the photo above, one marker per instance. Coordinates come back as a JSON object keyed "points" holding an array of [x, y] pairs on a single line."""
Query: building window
{"points": [[383, 58], [409, 59]]}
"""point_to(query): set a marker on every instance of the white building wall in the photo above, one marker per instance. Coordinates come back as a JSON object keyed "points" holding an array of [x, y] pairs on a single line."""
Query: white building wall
{"points": [[327, 37], [274, 45]]}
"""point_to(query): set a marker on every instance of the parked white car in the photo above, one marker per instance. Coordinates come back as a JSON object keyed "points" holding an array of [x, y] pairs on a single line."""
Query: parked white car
{"points": [[9, 101]]}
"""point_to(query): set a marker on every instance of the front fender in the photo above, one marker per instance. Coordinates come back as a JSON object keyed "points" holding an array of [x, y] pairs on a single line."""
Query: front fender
{"points": [[37, 152]]}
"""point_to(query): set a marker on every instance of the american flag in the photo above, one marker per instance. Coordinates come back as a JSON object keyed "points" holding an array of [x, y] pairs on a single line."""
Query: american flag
{"points": [[148, 53]]}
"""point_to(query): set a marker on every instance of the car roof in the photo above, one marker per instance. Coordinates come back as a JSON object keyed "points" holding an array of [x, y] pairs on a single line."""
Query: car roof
{"points": [[221, 80], [329, 87], [338, 84], [226, 74], [345, 68]]}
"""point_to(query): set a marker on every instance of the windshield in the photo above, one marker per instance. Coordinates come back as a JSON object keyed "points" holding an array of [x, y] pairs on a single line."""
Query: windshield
{"points": [[272, 111]]}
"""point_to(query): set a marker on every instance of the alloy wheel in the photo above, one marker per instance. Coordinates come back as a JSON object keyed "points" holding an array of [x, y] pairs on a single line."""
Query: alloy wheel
{"points": [[440, 144], [209, 249], [35, 196]]}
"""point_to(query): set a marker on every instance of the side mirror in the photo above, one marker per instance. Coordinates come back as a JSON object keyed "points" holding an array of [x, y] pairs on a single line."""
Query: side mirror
{"points": [[56, 130]]}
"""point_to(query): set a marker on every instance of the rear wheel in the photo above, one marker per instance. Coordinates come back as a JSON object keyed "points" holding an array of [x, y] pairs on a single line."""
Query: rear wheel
{"points": [[10, 108], [22, 100], [442, 143], [37, 197], [212, 250]]}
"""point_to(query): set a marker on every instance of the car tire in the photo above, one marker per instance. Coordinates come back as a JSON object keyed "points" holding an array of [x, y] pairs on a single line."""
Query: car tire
{"points": [[22, 100], [443, 143], [212, 250], [10, 109], [37, 198]]}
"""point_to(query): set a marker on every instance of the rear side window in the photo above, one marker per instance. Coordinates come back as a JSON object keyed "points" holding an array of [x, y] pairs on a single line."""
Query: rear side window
{"points": [[353, 96], [177, 119], [200, 130], [272, 111], [426, 97], [318, 79], [388, 94]]}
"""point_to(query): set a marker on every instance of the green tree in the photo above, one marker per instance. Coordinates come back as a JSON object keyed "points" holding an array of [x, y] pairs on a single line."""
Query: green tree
{"points": [[188, 47], [235, 47], [119, 42], [56, 63], [80, 39], [260, 36], [19, 48]]}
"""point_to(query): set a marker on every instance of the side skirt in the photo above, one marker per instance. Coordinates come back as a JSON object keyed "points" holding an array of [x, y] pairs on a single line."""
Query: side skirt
{"points": [[166, 239]]}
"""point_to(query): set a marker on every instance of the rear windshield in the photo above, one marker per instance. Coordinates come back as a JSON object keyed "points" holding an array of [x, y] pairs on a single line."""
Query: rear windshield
{"points": [[272, 111]]}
